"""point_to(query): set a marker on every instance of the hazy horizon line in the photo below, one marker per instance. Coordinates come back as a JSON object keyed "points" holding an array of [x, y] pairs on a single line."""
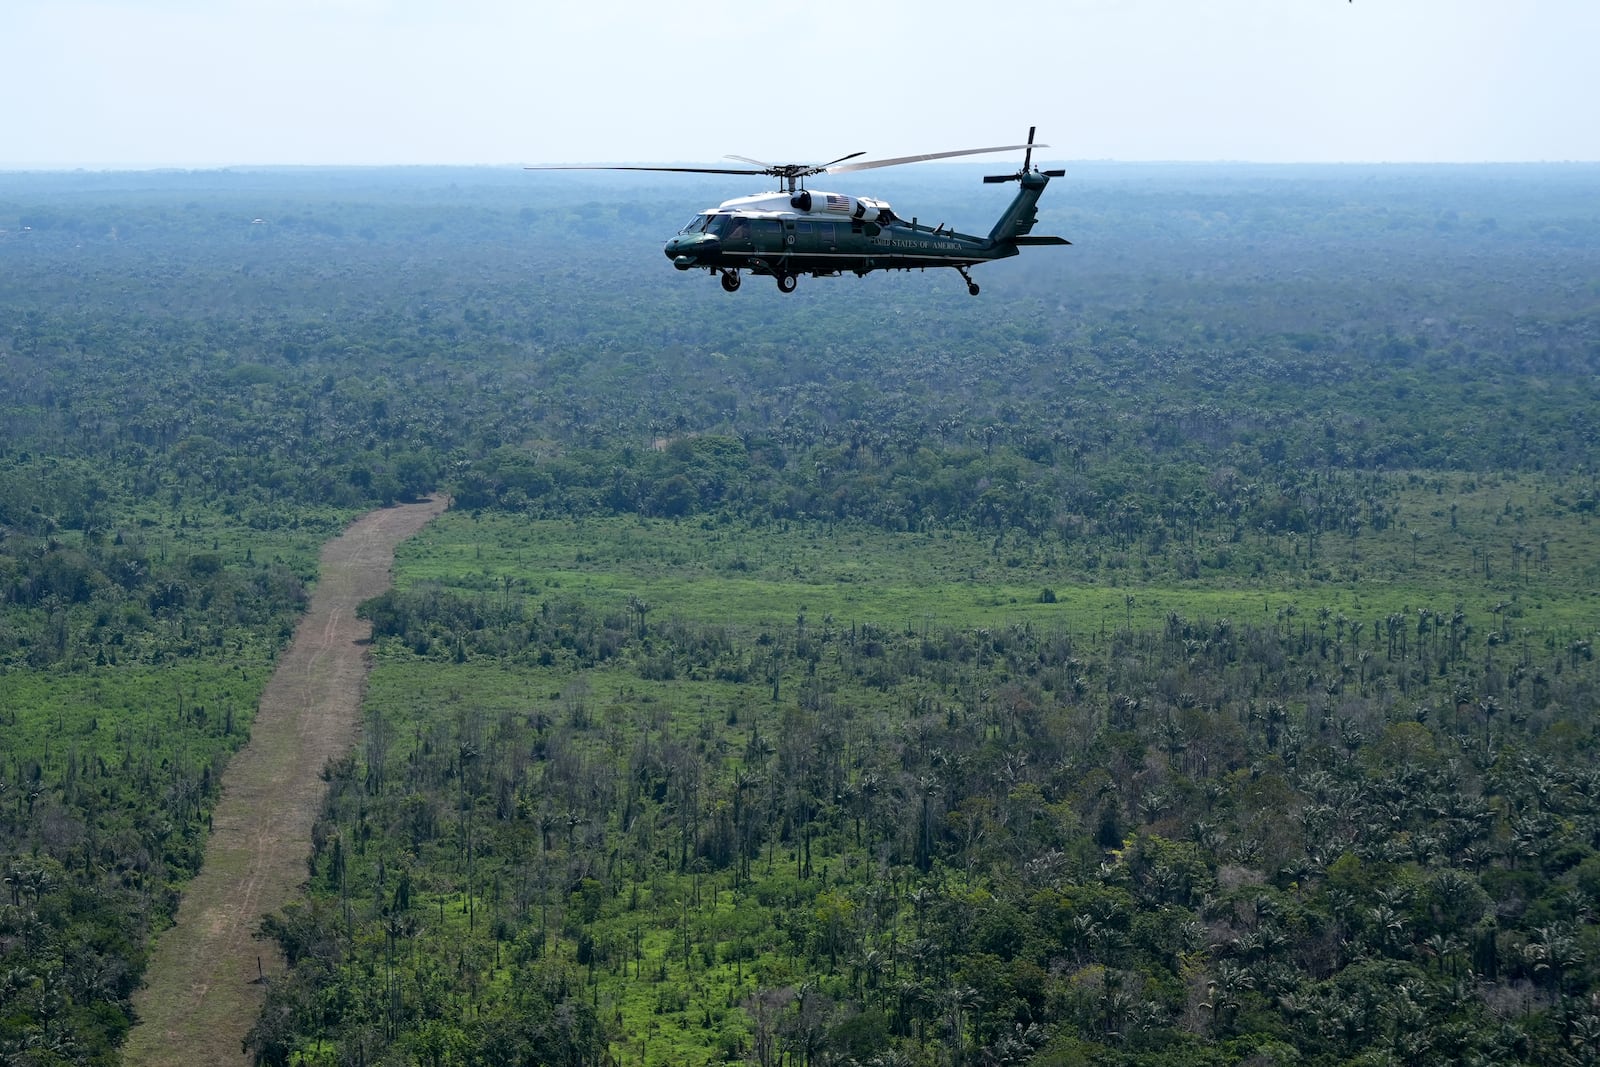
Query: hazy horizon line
{"points": [[158, 168]]}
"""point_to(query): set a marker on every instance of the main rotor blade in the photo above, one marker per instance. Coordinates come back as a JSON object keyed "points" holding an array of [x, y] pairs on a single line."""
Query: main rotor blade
{"points": [[826, 166], [922, 158], [669, 170], [797, 169]]}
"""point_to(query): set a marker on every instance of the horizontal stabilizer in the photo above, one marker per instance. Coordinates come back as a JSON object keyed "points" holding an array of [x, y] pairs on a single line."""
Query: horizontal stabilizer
{"points": [[1039, 240]]}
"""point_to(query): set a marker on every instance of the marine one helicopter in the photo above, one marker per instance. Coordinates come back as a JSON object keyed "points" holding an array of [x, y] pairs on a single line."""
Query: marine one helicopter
{"points": [[796, 230]]}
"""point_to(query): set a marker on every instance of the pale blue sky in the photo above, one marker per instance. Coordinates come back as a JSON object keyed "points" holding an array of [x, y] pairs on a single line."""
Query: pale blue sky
{"points": [[143, 83]]}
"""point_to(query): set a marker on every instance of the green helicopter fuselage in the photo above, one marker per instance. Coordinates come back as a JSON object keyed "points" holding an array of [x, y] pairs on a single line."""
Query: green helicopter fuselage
{"points": [[784, 235]]}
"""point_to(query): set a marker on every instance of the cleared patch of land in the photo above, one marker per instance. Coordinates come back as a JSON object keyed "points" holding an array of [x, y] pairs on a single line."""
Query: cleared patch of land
{"points": [[202, 992]]}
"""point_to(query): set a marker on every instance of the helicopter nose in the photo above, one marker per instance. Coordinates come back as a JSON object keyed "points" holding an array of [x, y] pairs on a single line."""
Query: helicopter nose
{"points": [[685, 249]]}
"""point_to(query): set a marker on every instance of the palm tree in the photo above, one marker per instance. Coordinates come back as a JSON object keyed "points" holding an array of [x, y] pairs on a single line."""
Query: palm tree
{"points": [[1225, 994], [641, 608], [956, 1002], [13, 881], [1388, 926]]}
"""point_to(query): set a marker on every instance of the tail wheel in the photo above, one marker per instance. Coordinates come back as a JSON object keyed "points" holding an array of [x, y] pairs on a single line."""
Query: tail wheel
{"points": [[972, 286], [787, 282], [730, 281]]}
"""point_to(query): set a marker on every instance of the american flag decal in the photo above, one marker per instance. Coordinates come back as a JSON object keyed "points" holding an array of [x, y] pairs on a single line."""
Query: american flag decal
{"points": [[838, 203]]}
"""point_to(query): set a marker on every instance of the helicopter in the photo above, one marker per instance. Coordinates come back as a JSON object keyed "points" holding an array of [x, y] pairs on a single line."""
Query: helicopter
{"points": [[795, 230]]}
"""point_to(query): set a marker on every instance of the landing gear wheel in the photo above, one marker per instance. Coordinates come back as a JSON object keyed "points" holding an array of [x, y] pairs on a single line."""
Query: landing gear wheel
{"points": [[787, 282], [972, 287], [730, 280]]}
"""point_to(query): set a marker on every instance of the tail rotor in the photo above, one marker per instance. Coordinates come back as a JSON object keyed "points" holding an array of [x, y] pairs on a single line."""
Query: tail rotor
{"points": [[1027, 164]]}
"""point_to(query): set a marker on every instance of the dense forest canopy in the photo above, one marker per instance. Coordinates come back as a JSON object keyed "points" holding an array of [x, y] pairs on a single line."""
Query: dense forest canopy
{"points": [[1181, 653]]}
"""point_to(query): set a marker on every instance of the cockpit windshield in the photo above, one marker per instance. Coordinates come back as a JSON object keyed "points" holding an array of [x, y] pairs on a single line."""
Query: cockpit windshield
{"points": [[715, 225]]}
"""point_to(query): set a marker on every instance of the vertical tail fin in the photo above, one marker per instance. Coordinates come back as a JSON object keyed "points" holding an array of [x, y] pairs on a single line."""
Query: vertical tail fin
{"points": [[1019, 218], [1017, 222]]}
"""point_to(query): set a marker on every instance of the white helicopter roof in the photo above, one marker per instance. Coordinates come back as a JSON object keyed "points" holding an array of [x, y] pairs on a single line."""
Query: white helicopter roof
{"points": [[824, 205], [756, 204]]}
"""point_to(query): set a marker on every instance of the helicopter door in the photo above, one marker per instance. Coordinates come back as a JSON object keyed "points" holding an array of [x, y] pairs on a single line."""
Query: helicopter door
{"points": [[768, 236], [805, 237], [735, 233]]}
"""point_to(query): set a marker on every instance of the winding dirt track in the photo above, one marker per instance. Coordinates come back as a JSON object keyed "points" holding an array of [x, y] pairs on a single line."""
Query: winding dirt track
{"points": [[201, 993]]}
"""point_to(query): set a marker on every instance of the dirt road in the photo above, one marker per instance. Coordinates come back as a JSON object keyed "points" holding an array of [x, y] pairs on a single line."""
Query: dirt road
{"points": [[201, 993]]}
